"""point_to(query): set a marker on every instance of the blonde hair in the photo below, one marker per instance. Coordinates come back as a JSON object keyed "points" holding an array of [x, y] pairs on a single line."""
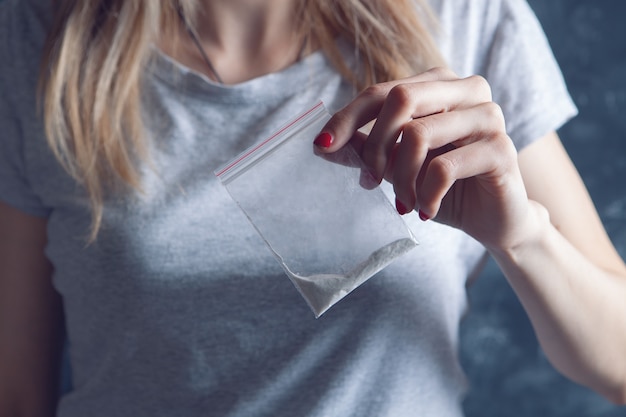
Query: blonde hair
{"points": [[96, 52]]}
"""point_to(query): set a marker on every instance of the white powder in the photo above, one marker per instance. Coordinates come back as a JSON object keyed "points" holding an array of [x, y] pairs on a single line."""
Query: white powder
{"points": [[322, 291]]}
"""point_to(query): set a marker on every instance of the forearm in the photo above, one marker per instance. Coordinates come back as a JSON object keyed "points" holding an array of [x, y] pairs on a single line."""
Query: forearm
{"points": [[577, 309]]}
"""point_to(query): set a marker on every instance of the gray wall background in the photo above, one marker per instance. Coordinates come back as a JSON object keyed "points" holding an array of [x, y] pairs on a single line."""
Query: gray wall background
{"points": [[508, 372]]}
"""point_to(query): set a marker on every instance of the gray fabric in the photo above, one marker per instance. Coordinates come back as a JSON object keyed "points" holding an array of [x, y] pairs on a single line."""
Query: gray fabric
{"points": [[179, 309]]}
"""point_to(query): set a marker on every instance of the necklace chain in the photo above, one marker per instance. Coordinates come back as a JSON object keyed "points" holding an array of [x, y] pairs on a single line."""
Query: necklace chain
{"points": [[194, 37], [205, 57]]}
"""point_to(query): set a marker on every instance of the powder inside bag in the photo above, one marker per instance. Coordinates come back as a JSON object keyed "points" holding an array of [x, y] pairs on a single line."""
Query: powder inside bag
{"points": [[322, 291]]}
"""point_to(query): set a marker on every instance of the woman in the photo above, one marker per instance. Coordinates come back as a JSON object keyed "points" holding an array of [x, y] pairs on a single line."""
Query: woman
{"points": [[113, 226]]}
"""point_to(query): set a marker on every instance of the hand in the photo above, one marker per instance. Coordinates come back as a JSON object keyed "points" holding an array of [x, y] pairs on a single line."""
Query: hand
{"points": [[441, 141]]}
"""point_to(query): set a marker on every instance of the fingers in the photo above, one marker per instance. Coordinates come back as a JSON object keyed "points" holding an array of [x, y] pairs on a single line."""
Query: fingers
{"points": [[406, 102], [395, 104], [474, 160], [429, 131], [425, 138], [366, 108], [426, 166]]}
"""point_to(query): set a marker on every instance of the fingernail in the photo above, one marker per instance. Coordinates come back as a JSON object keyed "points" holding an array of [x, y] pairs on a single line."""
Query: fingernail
{"points": [[323, 140], [423, 215], [401, 207]]}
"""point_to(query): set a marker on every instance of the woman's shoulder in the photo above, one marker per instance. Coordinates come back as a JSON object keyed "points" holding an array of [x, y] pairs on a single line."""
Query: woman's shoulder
{"points": [[480, 17], [504, 41], [471, 31], [477, 9]]}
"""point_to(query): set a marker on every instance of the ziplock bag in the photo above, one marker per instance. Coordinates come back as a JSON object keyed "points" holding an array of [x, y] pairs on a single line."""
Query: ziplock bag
{"points": [[328, 232]]}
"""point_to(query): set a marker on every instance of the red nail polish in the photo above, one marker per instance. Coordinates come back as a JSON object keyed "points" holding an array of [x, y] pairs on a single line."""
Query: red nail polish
{"points": [[423, 216], [323, 140], [400, 207]]}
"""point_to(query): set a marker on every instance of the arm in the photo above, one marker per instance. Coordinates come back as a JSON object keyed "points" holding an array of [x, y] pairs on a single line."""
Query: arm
{"points": [[455, 163], [30, 318], [568, 275]]}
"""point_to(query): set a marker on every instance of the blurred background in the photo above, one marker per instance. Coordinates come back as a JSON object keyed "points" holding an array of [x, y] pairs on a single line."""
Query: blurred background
{"points": [[508, 372]]}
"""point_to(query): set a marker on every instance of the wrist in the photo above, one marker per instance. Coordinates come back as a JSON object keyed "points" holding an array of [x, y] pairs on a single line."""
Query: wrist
{"points": [[529, 232]]}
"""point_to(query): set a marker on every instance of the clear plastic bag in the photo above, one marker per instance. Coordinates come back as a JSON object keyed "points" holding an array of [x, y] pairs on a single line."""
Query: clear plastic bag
{"points": [[328, 232]]}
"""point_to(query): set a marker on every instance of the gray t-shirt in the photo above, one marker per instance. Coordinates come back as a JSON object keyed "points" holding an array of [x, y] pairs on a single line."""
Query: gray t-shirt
{"points": [[179, 309]]}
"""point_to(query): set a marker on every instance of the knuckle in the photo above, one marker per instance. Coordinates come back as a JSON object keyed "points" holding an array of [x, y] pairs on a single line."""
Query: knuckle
{"points": [[342, 117], [442, 168], [505, 150], [494, 115], [418, 130], [375, 91], [340, 121], [443, 73], [508, 146], [481, 85], [401, 96]]}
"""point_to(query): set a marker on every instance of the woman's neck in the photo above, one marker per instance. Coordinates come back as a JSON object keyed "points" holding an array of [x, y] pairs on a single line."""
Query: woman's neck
{"points": [[243, 39]]}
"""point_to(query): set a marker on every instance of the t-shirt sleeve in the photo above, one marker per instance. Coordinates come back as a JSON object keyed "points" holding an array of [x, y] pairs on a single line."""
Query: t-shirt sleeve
{"points": [[15, 188], [525, 78]]}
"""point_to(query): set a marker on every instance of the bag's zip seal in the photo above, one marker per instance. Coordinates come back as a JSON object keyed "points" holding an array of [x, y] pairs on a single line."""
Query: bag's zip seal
{"points": [[250, 155]]}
